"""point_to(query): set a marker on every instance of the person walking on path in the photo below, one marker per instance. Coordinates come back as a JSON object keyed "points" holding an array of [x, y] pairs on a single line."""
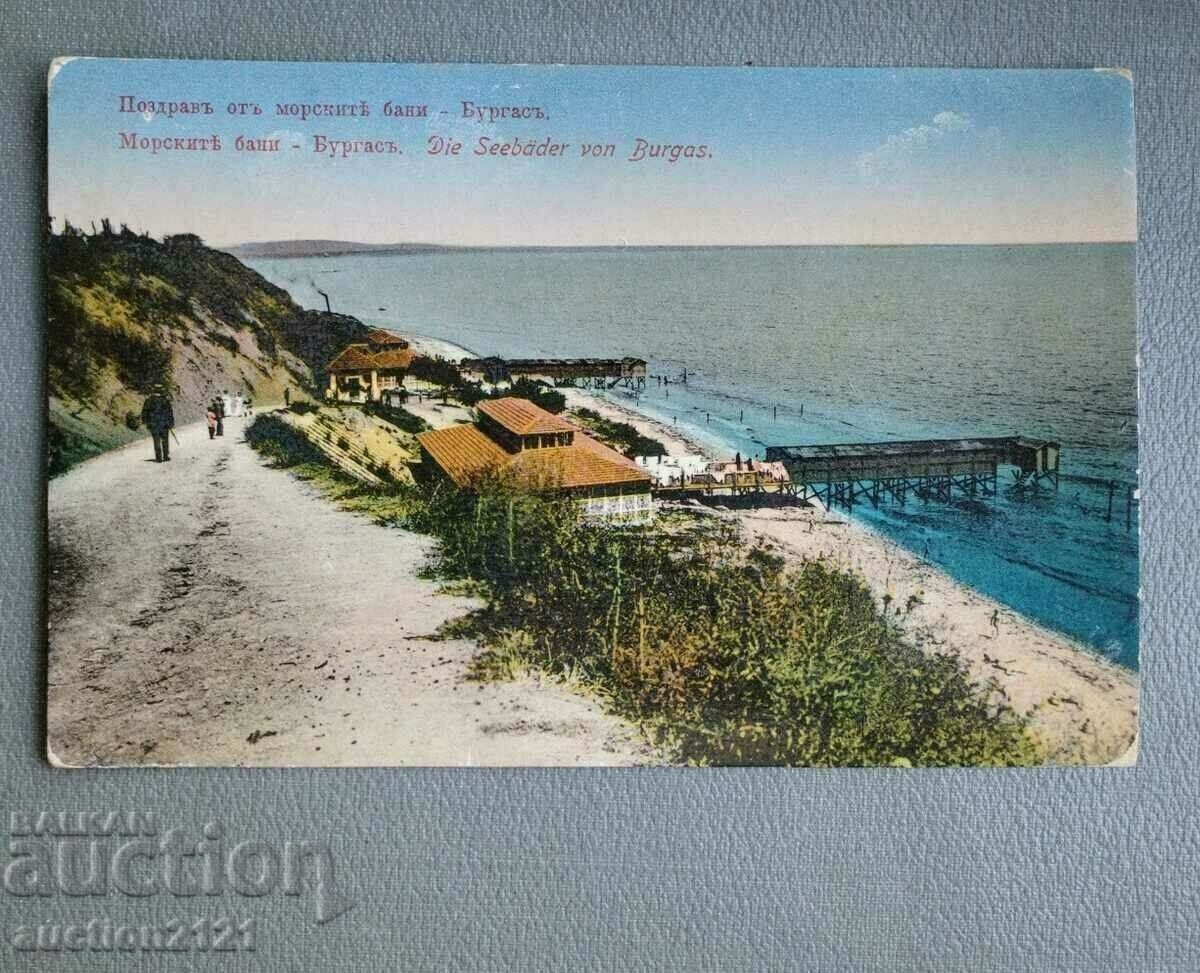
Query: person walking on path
{"points": [[210, 417], [287, 396], [159, 418], [995, 623], [218, 406]]}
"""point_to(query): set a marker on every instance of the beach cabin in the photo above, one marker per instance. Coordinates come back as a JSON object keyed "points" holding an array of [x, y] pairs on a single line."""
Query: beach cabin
{"points": [[1037, 456], [541, 451], [371, 370]]}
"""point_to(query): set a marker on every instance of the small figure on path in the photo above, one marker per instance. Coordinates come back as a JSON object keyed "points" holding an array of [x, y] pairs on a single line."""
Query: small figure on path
{"points": [[210, 417], [995, 623], [248, 406], [227, 403], [159, 418], [218, 405], [239, 405], [287, 396]]}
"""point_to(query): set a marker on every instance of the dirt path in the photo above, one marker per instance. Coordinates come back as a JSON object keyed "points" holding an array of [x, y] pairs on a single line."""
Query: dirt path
{"points": [[214, 611]]}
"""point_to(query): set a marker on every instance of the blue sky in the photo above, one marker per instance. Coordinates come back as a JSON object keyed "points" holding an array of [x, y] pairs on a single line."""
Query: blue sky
{"points": [[795, 156]]}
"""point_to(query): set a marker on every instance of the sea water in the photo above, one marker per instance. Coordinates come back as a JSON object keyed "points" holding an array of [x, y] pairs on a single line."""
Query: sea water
{"points": [[811, 345]]}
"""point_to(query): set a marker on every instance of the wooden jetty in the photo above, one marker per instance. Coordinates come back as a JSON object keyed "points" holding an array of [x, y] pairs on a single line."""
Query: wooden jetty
{"points": [[584, 373], [928, 468]]}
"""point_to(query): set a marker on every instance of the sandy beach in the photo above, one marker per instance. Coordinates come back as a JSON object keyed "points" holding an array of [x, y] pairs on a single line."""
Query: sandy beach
{"points": [[430, 347], [675, 439]]}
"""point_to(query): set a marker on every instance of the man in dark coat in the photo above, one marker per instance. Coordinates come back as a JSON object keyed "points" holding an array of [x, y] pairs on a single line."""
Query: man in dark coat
{"points": [[219, 407], [159, 418]]}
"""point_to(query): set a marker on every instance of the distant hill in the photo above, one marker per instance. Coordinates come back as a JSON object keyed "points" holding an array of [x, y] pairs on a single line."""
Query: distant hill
{"points": [[326, 248], [125, 311]]}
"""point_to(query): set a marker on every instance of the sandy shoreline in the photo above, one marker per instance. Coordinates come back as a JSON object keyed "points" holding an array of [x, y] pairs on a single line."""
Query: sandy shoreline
{"points": [[1082, 707], [430, 347], [676, 440]]}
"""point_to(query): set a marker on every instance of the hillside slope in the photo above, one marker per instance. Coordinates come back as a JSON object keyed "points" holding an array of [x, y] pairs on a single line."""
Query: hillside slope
{"points": [[125, 311]]}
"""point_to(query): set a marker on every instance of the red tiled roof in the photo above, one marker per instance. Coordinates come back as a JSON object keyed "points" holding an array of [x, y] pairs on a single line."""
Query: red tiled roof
{"points": [[377, 336], [584, 463], [522, 417], [394, 358], [358, 358], [352, 358], [465, 452]]}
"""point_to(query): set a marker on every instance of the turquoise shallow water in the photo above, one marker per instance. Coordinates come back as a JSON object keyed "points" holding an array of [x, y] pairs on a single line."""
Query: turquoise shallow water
{"points": [[873, 342]]}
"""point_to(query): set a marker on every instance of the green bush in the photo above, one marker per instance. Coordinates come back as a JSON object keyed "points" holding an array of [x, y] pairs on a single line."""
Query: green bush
{"points": [[281, 442], [435, 370], [226, 341], [445, 373], [620, 436], [141, 363], [400, 418], [732, 657]]}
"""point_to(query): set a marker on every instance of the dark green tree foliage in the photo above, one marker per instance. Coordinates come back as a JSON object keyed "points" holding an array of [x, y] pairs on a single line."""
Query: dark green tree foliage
{"points": [[315, 337], [620, 436], [437, 371], [141, 362], [539, 393], [281, 442], [400, 418], [446, 374]]}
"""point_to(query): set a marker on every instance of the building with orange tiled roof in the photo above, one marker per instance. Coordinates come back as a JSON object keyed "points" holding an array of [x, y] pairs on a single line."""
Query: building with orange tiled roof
{"points": [[377, 336], [543, 452], [371, 370]]}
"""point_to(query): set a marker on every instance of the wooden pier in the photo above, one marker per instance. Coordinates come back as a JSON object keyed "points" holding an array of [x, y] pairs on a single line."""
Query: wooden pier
{"points": [[847, 473], [584, 373]]}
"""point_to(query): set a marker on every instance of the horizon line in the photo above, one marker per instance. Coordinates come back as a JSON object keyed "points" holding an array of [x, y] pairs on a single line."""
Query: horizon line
{"points": [[662, 246]]}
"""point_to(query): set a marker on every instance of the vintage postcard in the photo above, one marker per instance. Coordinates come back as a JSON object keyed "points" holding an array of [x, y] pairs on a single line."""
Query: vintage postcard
{"points": [[570, 416]]}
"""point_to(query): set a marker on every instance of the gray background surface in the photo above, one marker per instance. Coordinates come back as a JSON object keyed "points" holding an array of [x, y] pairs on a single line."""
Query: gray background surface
{"points": [[666, 869]]}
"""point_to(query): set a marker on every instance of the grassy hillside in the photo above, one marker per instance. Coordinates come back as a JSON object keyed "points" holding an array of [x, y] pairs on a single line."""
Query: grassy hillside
{"points": [[125, 311]]}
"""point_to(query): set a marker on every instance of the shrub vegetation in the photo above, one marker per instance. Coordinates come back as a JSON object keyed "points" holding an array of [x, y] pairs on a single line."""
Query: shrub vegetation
{"points": [[620, 435], [719, 649], [400, 418], [447, 375]]}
